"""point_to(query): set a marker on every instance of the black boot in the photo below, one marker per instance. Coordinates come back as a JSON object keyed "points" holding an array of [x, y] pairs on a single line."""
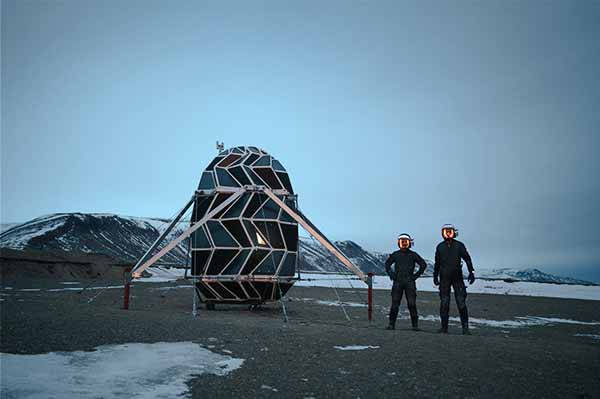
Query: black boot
{"points": [[444, 328], [392, 317], [464, 320], [415, 322]]}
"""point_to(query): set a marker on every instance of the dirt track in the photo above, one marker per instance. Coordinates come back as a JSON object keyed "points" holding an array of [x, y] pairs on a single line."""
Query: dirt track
{"points": [[298, 358]]}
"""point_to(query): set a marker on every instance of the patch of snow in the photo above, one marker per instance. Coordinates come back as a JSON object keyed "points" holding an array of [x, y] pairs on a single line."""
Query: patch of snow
{"points": [[519, 322], [69, 282], [592, 336], [338, 303], [479, 287], [132, 370], [160, 275], [172, 288], [267, 387], [551, 320], [82, 288], [355, 347]]}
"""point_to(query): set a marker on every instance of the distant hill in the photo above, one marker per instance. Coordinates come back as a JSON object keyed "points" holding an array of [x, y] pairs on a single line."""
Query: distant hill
{"points": [[126, 238], [530, 274], [122, 237]]}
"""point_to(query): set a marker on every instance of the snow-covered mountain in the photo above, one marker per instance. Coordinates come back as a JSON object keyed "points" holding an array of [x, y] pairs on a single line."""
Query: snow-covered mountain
{"points": [[314, 257], [126, 238], [528, 274]]}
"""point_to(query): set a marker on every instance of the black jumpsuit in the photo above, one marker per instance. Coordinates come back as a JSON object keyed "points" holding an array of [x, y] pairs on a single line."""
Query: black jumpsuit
{"points": [[448, 267], [404, 277]]}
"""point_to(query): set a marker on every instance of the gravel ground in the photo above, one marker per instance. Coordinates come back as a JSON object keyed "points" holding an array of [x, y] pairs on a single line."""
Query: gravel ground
{"points": [[298, 358]]}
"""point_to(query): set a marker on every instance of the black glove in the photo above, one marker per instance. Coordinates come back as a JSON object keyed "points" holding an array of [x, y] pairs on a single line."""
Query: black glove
{"points": [[436, 281], [391, 276], [415, 276], [471, 278]]}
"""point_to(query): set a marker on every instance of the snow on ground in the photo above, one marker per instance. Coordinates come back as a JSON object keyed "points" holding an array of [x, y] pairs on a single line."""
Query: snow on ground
{"points": [[269, 388], [355, 347], [108, 287], [69, 289], [518, 322], [343, 303], [161, 275], [173, 288], [592, 336], [132, 370], [479, 287], [331, 303]]}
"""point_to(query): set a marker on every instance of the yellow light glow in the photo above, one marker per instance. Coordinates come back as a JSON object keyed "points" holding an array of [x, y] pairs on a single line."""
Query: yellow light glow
{"points": [[260, 240], [448, 233]]}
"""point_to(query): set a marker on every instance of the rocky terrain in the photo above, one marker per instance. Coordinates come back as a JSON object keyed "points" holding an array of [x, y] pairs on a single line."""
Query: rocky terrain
{"points": [[520, 347]]}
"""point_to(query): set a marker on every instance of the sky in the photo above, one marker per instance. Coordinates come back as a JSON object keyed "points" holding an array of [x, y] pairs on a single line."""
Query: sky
{"points": [[390, 116]]}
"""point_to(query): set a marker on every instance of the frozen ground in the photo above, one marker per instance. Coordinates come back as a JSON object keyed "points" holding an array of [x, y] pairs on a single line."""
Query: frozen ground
{"points": [[54, 340], [134, 370], [355, 347]]}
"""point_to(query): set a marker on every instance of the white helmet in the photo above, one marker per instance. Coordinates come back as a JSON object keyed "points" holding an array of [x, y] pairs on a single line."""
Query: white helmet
{"points": [[449, 226], [406, 236]]}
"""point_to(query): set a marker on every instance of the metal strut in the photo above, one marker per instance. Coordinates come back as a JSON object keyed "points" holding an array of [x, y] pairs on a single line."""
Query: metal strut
{"points": [[137, 272], [163, 235]]}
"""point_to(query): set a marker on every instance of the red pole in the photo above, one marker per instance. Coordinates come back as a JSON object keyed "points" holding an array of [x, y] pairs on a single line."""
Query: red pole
{"points": [[126, 297], [126, 290], [370, 295]]}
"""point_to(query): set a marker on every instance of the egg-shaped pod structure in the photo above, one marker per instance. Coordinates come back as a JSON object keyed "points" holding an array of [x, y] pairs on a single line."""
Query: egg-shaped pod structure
{"points": [[243, 231], [247, 252]]}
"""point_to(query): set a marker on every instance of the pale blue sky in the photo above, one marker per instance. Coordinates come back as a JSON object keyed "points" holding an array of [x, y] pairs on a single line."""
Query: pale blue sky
{"points": [[390, 116]]}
